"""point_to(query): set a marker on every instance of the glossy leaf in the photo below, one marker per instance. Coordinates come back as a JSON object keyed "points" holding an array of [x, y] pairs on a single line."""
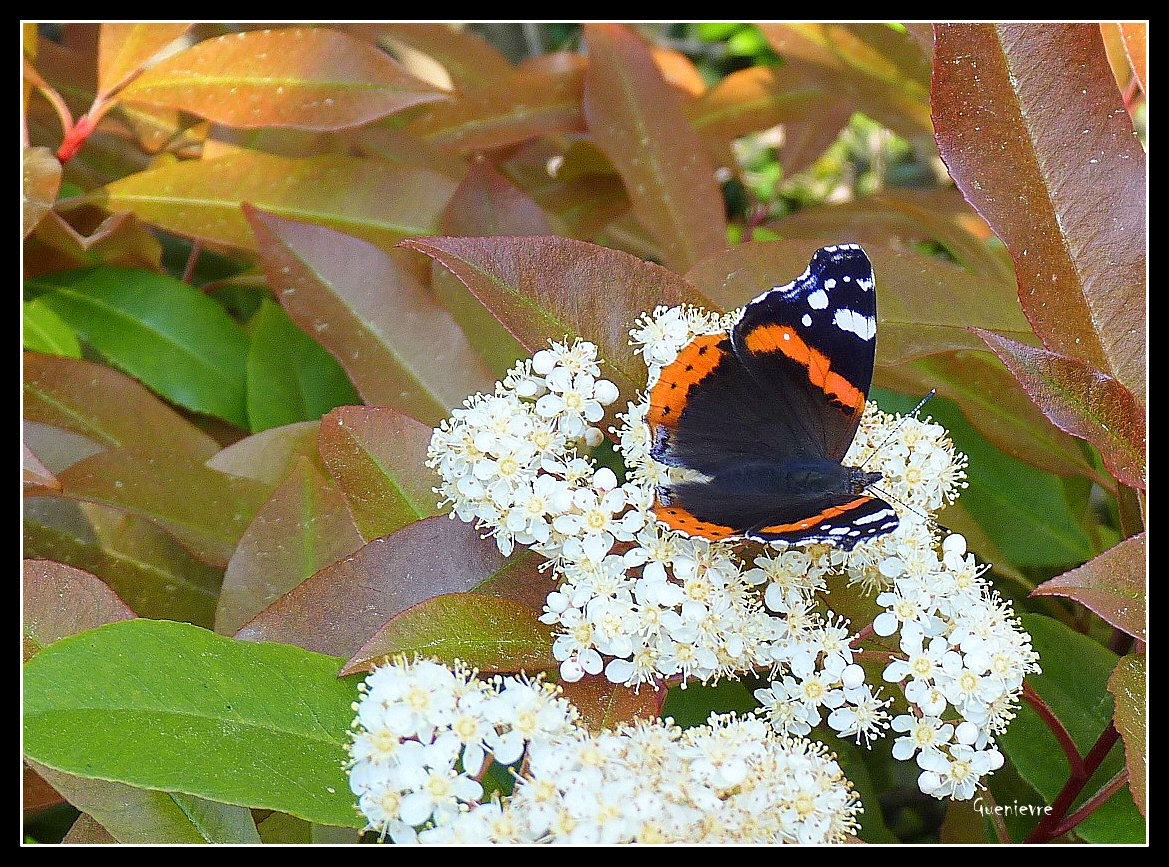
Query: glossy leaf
{"points": [[485, 632], [45, 331], [378, 456], [1036, 136], [880, 71], [290, 378], [399, 147], [86, 831], [313, 78], [1081, 401], [60, 600], [162, 331], [342, 606], [35, 474], [143, 564], [269, 456], [201, 198], [1073, 686], [399, 347], [1129, 687], [36, 794], [755, 99], [924, 305], [106, 406], [133, 815], [42, 179], [1112, 585], [468, 59], [545, 289], [304, 526], [217, 717], [124, 49], [206, 510], [505, 112], [637, 120], [605, 706]]}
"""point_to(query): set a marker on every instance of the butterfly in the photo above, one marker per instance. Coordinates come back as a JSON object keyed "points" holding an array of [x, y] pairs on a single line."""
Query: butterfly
{"points": [[764, 413]]}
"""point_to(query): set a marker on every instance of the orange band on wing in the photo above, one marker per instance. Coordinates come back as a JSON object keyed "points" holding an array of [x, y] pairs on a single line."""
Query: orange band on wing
{"points": [[817, 518], [783, 338], [694, 363], [677, 518]]}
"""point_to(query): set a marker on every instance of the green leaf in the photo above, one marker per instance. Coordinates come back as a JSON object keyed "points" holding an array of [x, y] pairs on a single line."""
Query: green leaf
{"points": [[142, 563], [106, 407], [290, 377], [378, 457], [637, 120], [304, 526], [172, 707], [342, 606], [400, 348], [1112, 585], [1023, 510], [1129, 686], [364, 197], [1034, 132], [1073, 684], [168, 334], [691, 705], [134, 815], [1081, 401], [486, 632], [45, 331], [313, 78]]}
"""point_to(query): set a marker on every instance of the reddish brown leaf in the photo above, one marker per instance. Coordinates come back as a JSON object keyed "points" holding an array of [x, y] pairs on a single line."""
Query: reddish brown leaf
{"points": [[678, 71], [545, 289], [1037, 138], [56, 447], [1136, 34], [485, 632], [120, 239], [756, 99], [994, 402], [924, 304], [399, 347], [304, 526], [1081, 401], [201, 198], [487, 204], [505, 112], [42, 179], [399, 147], [637, 120], [270, 455], [60, 600], [206, 510], [469, 60], [341, 607], [1129, 686], [37, 794], [142, 563], [805, 141], [35, 474], [302, 77], [87, 831], [106, 406], [876, 69], [123, 49], [1113, 585], [377, 456], [603, 705]]}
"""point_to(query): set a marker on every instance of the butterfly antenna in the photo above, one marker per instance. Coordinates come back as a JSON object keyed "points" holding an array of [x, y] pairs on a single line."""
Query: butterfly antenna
{"points": [[912, 414], [886, 495]]}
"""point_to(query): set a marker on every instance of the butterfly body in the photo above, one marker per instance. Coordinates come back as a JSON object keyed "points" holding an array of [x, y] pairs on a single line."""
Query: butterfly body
{"points": [[763, 415]]}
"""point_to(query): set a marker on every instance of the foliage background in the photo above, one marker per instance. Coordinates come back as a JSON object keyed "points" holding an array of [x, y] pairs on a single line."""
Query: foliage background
{"points": [[233, 361]]}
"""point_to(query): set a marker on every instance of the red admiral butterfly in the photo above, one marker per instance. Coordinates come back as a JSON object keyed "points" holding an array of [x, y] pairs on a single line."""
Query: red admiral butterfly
{"points": [[767, 411]]}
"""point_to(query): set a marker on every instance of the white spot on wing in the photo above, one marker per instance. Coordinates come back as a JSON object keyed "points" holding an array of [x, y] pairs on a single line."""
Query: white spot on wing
{"points": [[876, 516], [818, 300], [807, 320], [830, 283], [864, 327]]}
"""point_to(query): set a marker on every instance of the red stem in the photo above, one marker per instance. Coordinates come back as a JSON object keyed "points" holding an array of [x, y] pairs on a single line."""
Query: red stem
{"points": [[192, 260], [861, 636], [1075, 760], [1045, 831], [1090, 806]]}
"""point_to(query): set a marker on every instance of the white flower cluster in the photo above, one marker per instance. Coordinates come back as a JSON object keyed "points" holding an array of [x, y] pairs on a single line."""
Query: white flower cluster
{"points": [[424, 734], [965, 657], [646, 604]]}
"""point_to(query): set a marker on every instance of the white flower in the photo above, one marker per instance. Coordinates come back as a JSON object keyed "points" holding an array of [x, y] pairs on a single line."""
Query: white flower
{"points": [[956, 775]]}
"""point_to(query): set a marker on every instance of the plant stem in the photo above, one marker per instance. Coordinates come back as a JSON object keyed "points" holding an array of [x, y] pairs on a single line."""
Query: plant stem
{"points": [[1045, 831], [1075, 760], [1093, 803]]}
